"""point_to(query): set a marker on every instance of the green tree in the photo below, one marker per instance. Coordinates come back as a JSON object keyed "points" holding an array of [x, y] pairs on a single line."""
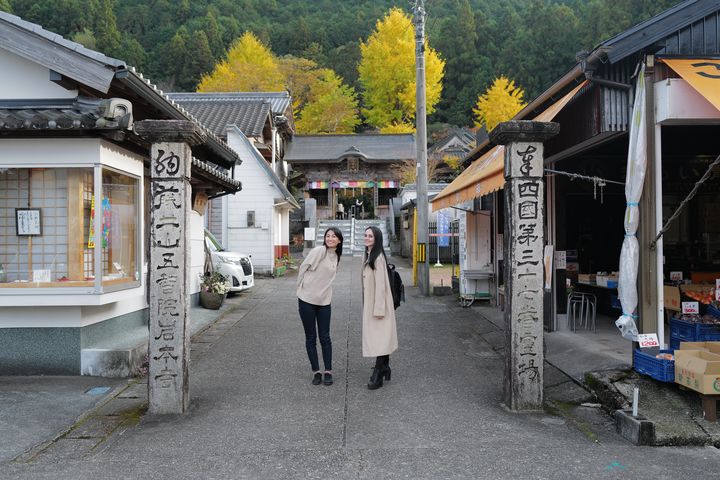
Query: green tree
{"points": [[198, 60], [5, 6], [172, 60], [85, 37], [250, 67], [133, 53], [387, 74], [212, 31], [107, 36], [499, 103], [468, 67], [333, 107]]}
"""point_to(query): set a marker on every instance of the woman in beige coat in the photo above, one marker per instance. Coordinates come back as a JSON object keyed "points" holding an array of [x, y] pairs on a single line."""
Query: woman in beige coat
{"points": [[379, 331]]}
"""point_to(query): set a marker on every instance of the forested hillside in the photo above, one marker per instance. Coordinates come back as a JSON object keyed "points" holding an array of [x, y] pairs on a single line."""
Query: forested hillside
{"points": [[174, 42]]}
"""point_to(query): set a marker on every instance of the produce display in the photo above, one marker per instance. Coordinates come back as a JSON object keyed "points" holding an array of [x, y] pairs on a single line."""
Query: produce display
{"points": [[706, 296], [706, 319]]}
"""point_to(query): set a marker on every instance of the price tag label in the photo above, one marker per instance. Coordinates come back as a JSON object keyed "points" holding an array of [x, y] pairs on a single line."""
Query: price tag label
{"points": [[717, 289], [689, 308], [676, 276], [647, 340]]}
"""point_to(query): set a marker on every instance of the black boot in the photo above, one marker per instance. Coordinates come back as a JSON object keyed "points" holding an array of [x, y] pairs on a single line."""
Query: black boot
{"points": [[376, 379], [386, 368]]}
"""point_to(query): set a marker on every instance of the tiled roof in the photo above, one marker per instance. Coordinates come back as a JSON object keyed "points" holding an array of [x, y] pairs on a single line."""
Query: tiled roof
{"points": [[218, 174], [279, 101], [93, 69], [331, 148], [217, 112], [78, 114]]}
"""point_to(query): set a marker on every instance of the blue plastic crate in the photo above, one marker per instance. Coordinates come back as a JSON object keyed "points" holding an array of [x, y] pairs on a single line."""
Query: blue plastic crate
{"points": [[648, 364], [708, 337], [710, 310], [694, 332]]}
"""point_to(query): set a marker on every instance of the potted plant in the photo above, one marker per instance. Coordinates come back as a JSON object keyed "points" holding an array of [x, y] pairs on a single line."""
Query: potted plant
{"points": [[280, 267], [213, 288]]}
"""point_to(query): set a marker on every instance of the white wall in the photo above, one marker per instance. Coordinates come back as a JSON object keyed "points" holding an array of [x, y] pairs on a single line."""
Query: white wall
{"points": [[197, 250], [257, 194], [23, 79]]}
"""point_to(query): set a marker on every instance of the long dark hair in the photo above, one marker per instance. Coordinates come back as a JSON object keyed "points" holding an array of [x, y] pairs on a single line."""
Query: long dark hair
{"points": [[339, 235], [377, 248]]}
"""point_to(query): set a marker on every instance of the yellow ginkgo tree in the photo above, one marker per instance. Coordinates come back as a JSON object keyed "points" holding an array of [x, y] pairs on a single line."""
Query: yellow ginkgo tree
{"points": [[250, 66], [387, 74], [332, 107], [500, 102]]}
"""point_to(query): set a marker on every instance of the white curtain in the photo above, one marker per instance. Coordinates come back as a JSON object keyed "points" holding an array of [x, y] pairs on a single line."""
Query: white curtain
{"points": [[634, 179]]}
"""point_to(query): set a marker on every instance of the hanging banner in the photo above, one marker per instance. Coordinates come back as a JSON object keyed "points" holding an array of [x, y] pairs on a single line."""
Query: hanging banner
{"points": [[106, 220], [443, 229]]}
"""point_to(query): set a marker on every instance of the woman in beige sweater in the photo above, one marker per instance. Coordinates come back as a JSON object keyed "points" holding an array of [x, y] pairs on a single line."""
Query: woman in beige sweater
{"points": [[379, 331], [314, 292]]}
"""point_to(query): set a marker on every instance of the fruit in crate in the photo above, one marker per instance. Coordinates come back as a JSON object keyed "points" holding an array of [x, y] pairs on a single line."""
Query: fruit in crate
{"points": [[702, 296]]}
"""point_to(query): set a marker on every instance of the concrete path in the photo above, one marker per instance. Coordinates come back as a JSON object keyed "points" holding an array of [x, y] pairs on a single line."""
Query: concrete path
{"points": [[255, 414]]}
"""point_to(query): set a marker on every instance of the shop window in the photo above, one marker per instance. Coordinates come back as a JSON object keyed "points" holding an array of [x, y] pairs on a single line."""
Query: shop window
{"points": [[60, 252], [120, 212]]}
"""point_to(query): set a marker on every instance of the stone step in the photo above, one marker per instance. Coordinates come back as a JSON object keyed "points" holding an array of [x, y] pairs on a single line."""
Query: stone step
{"points": [[120, 356]]}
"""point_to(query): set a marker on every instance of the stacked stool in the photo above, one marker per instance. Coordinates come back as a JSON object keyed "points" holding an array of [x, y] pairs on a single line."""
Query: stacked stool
{"points": [[581, 307]]}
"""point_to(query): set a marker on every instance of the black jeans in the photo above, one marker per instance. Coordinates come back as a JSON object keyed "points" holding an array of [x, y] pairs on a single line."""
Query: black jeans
{"points": [[312, 316]]}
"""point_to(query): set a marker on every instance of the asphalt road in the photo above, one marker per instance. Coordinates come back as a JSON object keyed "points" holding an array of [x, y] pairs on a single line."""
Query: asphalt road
{"points": [[255, 414]]}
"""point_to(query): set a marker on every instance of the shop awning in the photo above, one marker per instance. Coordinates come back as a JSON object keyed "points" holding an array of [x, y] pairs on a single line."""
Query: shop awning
{"points": [[703, 74], [486, 174]]}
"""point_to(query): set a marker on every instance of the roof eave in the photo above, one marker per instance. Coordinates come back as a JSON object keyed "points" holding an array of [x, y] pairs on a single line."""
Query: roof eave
{"points": [[213, 149]]}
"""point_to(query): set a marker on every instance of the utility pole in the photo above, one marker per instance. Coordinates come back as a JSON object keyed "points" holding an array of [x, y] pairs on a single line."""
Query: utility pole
{"points": [[421, 256]]}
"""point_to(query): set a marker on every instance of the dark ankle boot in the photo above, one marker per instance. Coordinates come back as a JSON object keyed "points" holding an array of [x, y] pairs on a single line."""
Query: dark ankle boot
{"points": [[376, 379], [386, 368]]}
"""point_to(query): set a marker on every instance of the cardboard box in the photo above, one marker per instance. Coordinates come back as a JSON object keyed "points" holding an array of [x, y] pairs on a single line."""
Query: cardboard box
{"points": [[712, 347], [698, 370], [586, 277], [671, 298]]}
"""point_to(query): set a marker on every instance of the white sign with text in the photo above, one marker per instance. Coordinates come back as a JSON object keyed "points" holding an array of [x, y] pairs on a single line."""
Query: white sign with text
{"points": [[690, 308], [647, 340]]}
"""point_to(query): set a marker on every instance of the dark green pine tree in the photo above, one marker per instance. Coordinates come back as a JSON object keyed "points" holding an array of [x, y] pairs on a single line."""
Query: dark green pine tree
{"points": [[212, 32], [107, 36], [199, 60], [5, 6], [172, 60], [467, 70]]}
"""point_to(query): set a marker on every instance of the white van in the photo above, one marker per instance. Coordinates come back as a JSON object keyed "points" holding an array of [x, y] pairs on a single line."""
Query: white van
{"points": [[237, 267]]}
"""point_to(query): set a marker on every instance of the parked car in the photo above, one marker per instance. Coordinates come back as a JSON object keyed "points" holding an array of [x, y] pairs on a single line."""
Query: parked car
{"points": [[237, 267]]}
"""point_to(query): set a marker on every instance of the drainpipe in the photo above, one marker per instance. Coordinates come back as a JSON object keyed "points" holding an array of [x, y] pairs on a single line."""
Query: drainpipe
{"points": [[272, 150]]}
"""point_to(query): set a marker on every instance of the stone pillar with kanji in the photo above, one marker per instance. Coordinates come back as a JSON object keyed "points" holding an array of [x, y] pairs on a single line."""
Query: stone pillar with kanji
{"points": [[169, 266], [524, 243]]}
